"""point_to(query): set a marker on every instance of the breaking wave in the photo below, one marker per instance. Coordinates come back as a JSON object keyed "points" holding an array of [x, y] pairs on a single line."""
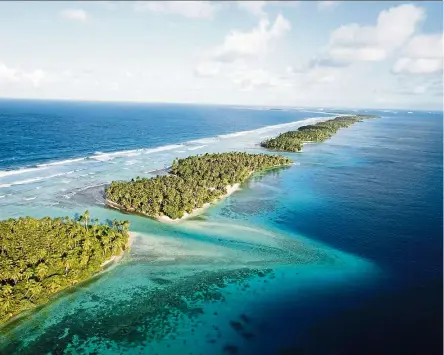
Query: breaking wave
{"points": [[108, 157]]}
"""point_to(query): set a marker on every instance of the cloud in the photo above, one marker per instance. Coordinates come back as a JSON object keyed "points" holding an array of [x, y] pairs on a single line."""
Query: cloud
{"points": [[7, 75], [190, 9], [36, 77], [254, 7], [393, 28], [312, 76], [110, 5], [327, 5], [207, 69], [285, 3], [423, 54], [417, 65], [16, 76], [429, 46], [239, 44], [227, 60], [75, 14], [326, 62], [249, 80], [422, 87]]}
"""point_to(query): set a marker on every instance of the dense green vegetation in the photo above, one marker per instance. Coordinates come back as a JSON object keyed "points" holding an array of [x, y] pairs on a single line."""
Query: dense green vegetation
{"points": [[293, 141], [39, 257], [193, 182]]}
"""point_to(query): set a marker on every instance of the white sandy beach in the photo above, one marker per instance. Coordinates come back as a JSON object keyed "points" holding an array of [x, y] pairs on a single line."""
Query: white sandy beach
{"points": [[116, 258], [165, 219], [230, 189]]}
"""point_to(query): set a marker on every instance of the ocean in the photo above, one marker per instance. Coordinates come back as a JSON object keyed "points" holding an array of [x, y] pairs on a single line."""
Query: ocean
{"points": [[341, 253]]}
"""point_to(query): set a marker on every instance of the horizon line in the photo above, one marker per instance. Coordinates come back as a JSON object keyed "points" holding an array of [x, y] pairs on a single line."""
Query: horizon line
{"points": [[215, 104]]}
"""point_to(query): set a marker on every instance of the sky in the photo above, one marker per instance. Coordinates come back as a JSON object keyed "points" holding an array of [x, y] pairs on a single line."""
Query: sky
{"points": [[380, 54]]}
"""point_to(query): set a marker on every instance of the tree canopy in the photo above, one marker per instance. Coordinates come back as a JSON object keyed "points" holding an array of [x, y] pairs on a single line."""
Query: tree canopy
{"points": [[193, 181], [293, 141], [39, 257]]}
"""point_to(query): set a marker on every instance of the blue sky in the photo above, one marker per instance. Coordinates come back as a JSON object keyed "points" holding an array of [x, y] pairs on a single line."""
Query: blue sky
{"points": [[319, 53]]}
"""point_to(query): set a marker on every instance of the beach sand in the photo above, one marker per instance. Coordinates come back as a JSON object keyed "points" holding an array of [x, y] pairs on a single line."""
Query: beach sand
{"points": [[165, 219], [230, 189], [116, 258]]}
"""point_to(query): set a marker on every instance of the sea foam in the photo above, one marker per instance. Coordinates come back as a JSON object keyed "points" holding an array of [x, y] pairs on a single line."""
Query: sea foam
{"points": [[61, 162], [130, 153], [33, 180], [4, 173], [198, 147], [102, 157]]}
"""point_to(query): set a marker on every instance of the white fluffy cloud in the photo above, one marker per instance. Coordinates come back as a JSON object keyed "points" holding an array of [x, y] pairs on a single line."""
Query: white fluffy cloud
{"points": [[249, 80], [314, 75], [75, 15], [327, 5], [191, 9], [423, 54], [249, 44], [426, 85], [393, 28], [254, 7], [207, 69], [36, 77], [417, 65], [428, 46], [110, 5], [7, 74], [10, 75]]}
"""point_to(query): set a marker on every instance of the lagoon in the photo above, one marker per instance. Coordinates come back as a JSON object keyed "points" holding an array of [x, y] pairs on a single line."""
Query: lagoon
{"points": [[353, 223]]}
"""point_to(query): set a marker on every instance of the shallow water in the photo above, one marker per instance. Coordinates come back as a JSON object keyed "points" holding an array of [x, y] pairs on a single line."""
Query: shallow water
{"points": [[274, 267]]}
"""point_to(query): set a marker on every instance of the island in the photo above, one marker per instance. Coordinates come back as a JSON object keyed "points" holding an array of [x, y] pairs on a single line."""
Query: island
{"points": [[293, 141], [40, 257], [192, 183]]}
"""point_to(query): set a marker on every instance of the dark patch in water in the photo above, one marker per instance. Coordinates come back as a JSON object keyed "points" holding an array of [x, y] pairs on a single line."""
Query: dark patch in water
{"points": [[150, 315], [231, 349], [245, 318], [160, 281], [291, 351], [95, 298], [237, 326], [248, 335]]}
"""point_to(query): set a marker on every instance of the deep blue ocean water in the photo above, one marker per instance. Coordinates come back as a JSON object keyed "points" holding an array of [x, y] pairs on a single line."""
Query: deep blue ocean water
{"points": [[353, 230], [41, 131]]}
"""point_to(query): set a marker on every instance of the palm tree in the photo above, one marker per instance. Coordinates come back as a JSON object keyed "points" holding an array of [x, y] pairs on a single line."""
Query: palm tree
{"points": [[27, 274], [6, 290], [35, 289], [87, 219], [53, 285], [41, 271], [7, 302], [15, 275], [40, 257]]}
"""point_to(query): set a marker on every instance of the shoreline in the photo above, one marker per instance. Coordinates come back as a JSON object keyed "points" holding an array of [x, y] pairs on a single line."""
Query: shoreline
{"points": [[63, 162], [107, 265], [165, 219], [297, 143], [114, 260], [230, 190]]}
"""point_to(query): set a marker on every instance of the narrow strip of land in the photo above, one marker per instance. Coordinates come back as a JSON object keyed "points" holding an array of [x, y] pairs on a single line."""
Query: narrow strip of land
{"points": [[293, 141], [193, 183]]}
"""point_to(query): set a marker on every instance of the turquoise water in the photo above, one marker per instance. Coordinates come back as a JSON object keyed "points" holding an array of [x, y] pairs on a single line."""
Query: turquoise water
{"points": [[356, 220]]}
